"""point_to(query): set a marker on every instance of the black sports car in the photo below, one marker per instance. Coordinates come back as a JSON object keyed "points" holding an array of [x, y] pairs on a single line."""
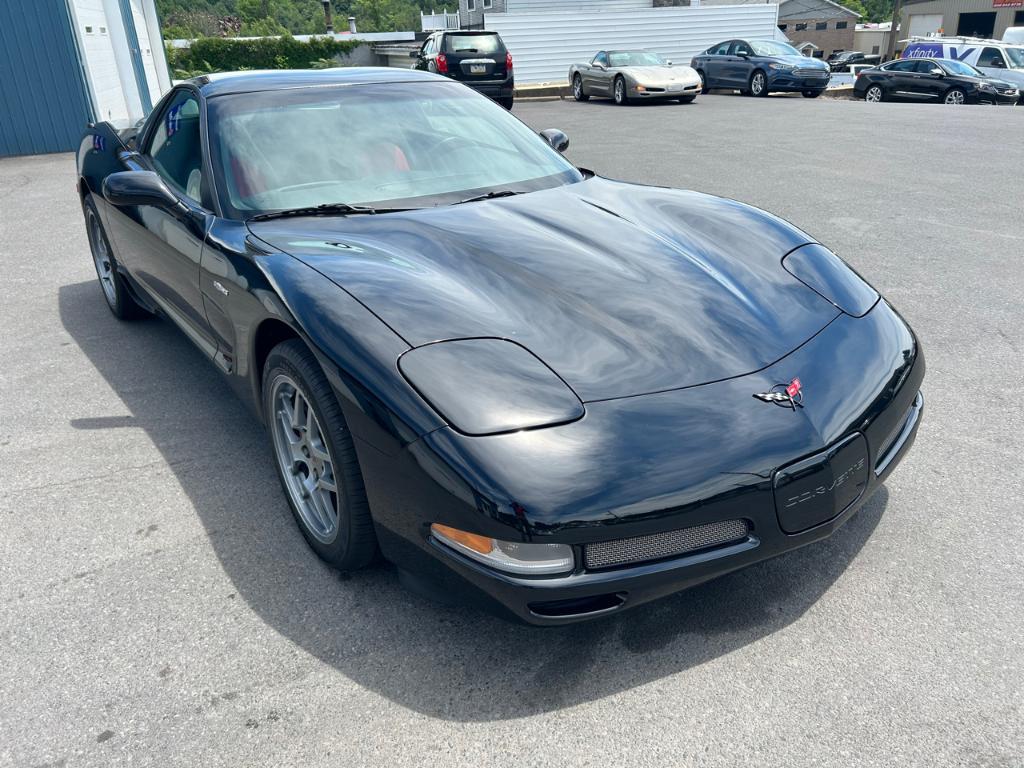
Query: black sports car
{"points": [[519, 381], [946, 80]]}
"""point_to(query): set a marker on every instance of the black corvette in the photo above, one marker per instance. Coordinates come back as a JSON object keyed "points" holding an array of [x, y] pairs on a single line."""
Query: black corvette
{"points": [[522, 383]]}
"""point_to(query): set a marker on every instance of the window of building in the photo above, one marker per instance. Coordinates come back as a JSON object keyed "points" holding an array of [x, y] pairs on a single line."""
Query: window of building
{"points": [[782, 27], [801, 27], [819, 54], [820, 25], [840, 25], [874, 49], [1018, 19], [470, 5], [488, 4]]}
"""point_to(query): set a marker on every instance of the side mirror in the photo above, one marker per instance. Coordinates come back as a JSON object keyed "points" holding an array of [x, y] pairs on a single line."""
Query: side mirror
{"points": [[555, 138], [138, 188], [743, 55], [938, 72], [599, 65], [668, 62]]}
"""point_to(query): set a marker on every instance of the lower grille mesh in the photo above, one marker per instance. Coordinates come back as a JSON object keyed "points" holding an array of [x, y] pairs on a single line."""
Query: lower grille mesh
{"points": [[608, 554]]}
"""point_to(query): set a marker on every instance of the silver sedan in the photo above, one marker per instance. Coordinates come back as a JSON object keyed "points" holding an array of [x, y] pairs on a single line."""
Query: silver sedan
{"points": [[633, 75]]}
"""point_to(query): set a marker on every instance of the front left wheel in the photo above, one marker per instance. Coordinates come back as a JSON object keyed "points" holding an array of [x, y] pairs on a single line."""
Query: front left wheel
{"points": [[686, 99], [758, 85], [811, 94], [316, 459], [115, 291], [577, 89], [955, 96]]}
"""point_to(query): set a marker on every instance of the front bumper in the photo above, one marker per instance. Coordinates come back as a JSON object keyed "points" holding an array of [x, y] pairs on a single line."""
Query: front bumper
{"points": [[781, 80], [668, 91], [650, 465], [1001, 99]]}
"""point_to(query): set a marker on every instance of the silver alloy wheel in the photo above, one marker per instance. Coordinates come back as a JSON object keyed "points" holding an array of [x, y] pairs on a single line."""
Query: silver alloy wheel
{"points": [[101, 258], [757, 83], [956, 96], [305, 459], [577, 87], [874, 94], [620, 91]]}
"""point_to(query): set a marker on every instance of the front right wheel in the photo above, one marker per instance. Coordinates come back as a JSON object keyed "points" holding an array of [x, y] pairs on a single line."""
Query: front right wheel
{"points": [[874, 94], [955, 96], [115, 291], [619, 92], [758, 85], [316, 459]]}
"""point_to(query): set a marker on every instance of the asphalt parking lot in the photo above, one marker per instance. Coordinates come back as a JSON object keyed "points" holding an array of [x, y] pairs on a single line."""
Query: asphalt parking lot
{"points": [[159, 607]]}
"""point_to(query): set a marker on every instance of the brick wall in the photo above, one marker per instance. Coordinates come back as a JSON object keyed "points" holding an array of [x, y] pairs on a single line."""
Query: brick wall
{"points": [[828, 40]]}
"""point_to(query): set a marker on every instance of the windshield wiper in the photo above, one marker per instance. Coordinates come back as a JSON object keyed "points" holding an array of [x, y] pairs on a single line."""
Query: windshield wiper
{"points": [[326, 209], [489, 196]]}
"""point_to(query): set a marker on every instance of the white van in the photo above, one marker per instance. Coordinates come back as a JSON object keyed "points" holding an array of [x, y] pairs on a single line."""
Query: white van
{"points": [[996, 58], [1014, 35]]}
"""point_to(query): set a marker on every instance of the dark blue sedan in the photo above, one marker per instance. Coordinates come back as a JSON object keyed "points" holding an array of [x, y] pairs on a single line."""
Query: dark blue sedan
{"points": [[759, 67]]}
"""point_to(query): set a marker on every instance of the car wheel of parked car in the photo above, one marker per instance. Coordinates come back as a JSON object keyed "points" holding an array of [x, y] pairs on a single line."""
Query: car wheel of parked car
{"points": [[874, 94], [955, 96], [758, 84], [119, 299], [577, 89], [507, 102], [703, 81], [316, 460], [686, 99], [812, 94], [620, 92]]}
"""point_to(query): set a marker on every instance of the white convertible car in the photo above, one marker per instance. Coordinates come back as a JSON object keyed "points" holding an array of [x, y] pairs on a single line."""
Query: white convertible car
{"points": [[633, 75]]}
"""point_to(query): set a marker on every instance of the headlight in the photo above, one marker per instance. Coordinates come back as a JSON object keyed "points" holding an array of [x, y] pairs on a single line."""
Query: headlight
{"points": [[518, 557], [831, 278], [985, 87], [782, 66], [487, 386]]}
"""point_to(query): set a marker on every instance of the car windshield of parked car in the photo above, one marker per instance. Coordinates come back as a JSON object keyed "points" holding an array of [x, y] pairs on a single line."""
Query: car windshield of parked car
{"points": [[423, 143], [773, 48], [473, 43], [635, 59], [1015, 57], [955, 67]]}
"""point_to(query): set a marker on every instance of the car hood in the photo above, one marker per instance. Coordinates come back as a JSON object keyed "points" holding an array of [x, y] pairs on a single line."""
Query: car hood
{"points": [[804, 62], [621, 289]]}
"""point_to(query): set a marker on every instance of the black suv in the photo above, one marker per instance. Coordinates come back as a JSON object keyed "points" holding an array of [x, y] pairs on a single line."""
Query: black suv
{"points": [[840, 61], [477, 58]]}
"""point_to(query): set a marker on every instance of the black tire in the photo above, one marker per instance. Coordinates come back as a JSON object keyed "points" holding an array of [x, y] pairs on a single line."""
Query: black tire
{"points": [[752, 84], [703, 81], [354, 544], [619, 92], [686, 99], [112, 285], [955, 96], [812, 94], [507, 102], [872, 89], [577, 89]]}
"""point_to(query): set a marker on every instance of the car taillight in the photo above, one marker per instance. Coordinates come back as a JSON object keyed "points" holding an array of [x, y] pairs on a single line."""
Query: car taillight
{"points": [[442, 63], [508, 61]]}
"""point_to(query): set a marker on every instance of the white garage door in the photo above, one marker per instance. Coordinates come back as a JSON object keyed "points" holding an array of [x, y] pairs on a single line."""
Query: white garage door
{"points": [[925, 23]]}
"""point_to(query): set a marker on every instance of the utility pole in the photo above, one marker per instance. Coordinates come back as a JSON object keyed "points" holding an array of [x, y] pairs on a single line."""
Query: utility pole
{"points": [[890, 49]]}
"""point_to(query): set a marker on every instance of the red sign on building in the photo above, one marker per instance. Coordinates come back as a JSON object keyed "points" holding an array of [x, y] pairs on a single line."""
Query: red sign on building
{"points": [[1008, 3]]}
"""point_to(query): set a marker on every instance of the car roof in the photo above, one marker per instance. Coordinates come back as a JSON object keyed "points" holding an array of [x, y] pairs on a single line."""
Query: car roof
{"points": [[222, 83]]}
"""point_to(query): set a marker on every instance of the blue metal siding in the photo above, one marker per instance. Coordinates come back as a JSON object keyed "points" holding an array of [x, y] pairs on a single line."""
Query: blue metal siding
{"points": [[44, 104]]}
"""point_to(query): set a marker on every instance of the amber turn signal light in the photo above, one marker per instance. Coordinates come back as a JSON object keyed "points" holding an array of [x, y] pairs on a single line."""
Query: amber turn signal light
{"points": [[473, 541]]}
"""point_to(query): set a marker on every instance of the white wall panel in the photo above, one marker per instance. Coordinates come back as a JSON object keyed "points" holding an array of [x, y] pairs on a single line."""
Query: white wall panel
{"points": [[544, 45]]}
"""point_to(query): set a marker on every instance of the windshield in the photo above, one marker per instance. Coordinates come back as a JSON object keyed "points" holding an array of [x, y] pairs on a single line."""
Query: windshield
{"points": [[773, 48], [635, 59], [473, 43], [1015, 57], [955, 67], [365, 144]]}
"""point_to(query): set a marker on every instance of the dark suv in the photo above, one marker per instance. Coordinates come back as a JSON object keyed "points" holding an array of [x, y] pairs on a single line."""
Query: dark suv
{"points": [[841, 61], [477, 58]]}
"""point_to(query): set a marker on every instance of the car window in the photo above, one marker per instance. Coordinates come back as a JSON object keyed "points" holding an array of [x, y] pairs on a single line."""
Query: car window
{"points": [[927, 67], [176, 149], [462, 43], [722, 49], [1016, 57], [991, 57], [954, 67], [601, 58], [742, 48], [775, 48], [420, 143], [635, 59], [903, 65]]}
